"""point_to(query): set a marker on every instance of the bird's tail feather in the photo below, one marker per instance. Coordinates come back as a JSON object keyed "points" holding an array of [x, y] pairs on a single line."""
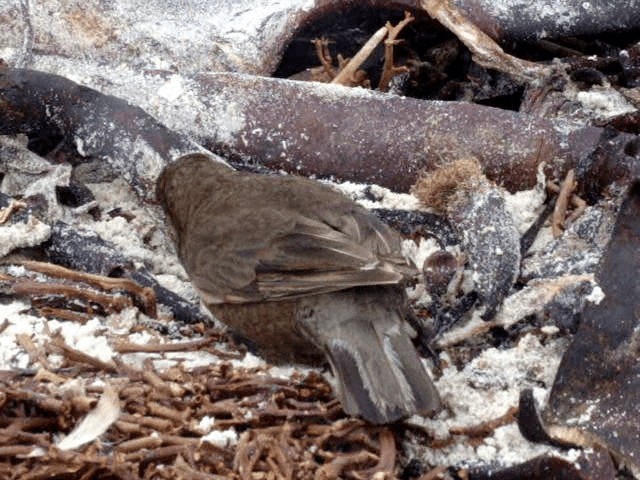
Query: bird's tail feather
{"points": [[380, 376], [383, 384]]}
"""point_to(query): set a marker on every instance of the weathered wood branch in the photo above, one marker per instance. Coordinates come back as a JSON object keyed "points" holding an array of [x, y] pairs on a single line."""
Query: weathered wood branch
{"points": [[384, 139], [98, 126], [346, 133]]}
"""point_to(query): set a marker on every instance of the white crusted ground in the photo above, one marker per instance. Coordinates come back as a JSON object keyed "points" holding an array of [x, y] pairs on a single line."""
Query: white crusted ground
{"points": [[481, 391], [190, 37]]}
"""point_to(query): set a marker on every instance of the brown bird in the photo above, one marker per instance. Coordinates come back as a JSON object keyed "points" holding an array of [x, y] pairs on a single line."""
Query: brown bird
{"points": [[304, 274]]}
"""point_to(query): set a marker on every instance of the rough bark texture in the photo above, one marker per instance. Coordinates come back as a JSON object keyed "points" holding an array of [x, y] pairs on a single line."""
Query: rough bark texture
{"points": [[98, 126], [594, 399], [328, 130]]}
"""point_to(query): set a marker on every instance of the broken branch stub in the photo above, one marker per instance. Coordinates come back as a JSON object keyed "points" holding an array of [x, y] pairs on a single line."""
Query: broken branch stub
{"points": [[347, 74], [389, 70], [98, 126]]}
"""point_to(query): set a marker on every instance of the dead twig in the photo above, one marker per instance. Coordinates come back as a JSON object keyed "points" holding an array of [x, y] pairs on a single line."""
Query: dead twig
{"points": [[284, 452], [277, 460], [133, 391], [486, 52], [560, 210], [347, 76], [35, 353], [32, 423], [223, 354], [339, 429], [435, 473], [137, 444], [336, 467], [184, 470], [110, 303], [485, 429], [389, 70], [126, 347], [15, 450], [64, 314], [145, 295], [387, 460], [169, 388], [127, 427], [81, 357], [578, 204], [155, 423], [167, 412], [43, 402], [326, 60], [13, 433], [46, 375], [14, 206], [247, 455]]}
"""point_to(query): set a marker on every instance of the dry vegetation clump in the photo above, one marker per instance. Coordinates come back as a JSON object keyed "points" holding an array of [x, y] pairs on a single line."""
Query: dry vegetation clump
{"points": [[438, 189], [211, 422]]}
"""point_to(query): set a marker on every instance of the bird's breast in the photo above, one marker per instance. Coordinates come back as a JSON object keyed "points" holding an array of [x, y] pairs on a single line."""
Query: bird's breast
{"points": [[271, 328]]}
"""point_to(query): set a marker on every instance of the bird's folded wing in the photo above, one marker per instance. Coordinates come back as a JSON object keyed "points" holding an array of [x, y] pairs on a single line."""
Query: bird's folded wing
{"points": [[303, 257], [317, 258]]}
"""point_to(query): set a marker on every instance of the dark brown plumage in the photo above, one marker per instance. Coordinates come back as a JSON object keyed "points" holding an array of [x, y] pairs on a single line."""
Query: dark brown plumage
{"points": [[304, 274]]}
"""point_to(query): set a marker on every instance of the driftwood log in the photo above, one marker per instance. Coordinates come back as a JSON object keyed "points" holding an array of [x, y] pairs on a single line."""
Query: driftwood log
{"points": [[591, 465], [388, 140], [334, 132], [261, 29]]}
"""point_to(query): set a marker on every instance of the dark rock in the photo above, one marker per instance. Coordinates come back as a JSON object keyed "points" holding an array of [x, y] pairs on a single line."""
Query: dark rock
{"points": [[595, 397]]}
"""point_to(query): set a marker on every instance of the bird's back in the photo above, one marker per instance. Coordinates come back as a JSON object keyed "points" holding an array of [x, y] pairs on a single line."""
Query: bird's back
{"points": [[299, 271]]}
